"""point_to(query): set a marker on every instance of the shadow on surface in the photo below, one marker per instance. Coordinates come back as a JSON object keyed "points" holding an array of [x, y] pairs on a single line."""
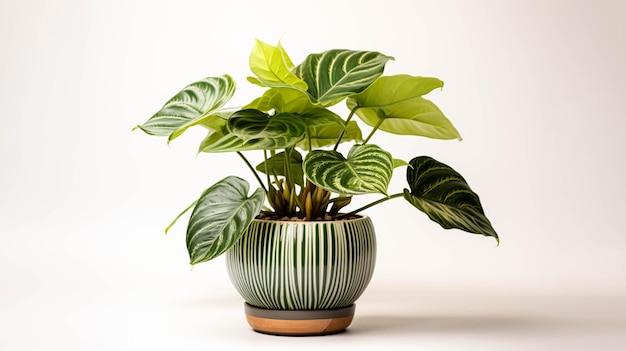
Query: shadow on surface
{"points": [[448, 324]]}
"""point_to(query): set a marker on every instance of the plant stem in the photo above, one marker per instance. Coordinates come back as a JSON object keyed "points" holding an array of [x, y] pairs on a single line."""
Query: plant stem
{"points": [[287, 165], [256, 175], [370, 205], [308, 140], [380, 121], [345, 127], [267, 170]]}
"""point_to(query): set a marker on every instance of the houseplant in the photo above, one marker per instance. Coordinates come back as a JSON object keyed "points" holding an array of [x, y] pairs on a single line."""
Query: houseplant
{"points": [[306, 182]]}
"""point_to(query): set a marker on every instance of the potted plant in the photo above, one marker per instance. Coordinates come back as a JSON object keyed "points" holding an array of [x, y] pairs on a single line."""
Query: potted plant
{"points": [[294, 251]]}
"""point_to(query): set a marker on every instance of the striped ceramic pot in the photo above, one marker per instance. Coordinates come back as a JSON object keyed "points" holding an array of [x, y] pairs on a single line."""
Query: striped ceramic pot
{"points": [[302, 278]]}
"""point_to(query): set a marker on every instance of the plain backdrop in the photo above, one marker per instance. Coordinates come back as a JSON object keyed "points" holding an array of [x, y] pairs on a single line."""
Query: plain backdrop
{"points": [[536, 89]]}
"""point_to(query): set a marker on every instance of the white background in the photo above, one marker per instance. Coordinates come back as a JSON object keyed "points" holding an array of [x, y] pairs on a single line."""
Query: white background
{"points": [[536, 89]]}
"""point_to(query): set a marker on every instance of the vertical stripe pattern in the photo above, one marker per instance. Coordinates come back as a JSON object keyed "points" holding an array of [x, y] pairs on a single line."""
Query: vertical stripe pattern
{"points": [[303, 265]]}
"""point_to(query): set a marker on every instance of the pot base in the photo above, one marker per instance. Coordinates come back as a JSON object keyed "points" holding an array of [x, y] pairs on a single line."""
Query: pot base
{"points": [[299, 323]]}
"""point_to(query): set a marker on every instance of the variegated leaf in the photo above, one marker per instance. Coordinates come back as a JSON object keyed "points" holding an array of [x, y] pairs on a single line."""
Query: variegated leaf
{"points": [[254, 130], [213, 121], [367, 169], [194, 102], [220, 217], [443, 194], [335, 74], [395, 104], [254, 124]]}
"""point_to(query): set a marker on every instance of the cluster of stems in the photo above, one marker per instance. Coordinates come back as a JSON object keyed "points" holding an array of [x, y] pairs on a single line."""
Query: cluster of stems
{"points": [[307, 202]]}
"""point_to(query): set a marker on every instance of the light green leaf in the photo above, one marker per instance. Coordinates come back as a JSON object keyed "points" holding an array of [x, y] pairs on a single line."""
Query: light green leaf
{"points": [[283, 100], [335, 74], [443, 194], [195, 102], [367, 169], [327, 134], [276, 166], [396, 105], [273, 67], [255, 130], [220, 217], [399, 163]]}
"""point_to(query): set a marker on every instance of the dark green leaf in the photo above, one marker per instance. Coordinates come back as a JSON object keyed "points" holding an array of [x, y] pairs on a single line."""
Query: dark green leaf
{"points": [[254, 130], [443, 194]]}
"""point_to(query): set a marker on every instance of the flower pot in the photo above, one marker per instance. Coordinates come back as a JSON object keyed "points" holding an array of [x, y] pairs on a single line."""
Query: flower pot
{"points": [[302, 278]]}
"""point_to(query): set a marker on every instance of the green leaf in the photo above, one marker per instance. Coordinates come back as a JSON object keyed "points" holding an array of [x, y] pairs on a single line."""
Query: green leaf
{"points": [[255, 130], [273, 67], [335, 74], [367, 169], [214, 121], [399, 163], [327, 134], [283, 100], [323, 125], [443, 194], [193, 103], [276, 166], [295, 102], [220, 217], [396, 105], [254, 124]]}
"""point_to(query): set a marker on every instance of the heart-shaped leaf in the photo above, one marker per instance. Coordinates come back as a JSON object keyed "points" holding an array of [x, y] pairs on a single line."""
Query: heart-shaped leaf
{"points": [[273, 67], [395, 104], [275, 165], [220, 217], [254, 124], [255, 130], [194, 102], [367, 169], [443, 194], [335, 74]]}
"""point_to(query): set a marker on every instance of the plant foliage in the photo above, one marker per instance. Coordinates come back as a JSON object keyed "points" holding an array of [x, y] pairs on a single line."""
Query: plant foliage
{"points": [[302, 173]]}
